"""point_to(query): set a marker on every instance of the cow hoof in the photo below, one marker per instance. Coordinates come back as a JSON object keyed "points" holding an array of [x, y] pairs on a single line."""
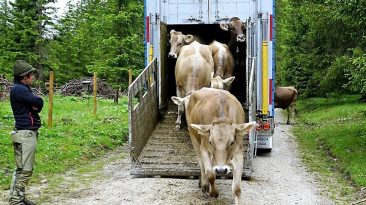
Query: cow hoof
{"points": [[177, 128], [214, 194], [205, 188]]}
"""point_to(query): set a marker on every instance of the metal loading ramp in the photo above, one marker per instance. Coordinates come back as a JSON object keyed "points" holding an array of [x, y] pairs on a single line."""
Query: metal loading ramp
{"points": [[167, 152]]}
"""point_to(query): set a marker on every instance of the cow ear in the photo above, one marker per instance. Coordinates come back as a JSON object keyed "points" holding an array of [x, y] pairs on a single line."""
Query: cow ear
{"points": [[188, 39], [224, 26], [177, 100], [228, 81], [245, 127], [202, 129], [245, 25], [172, 31]]}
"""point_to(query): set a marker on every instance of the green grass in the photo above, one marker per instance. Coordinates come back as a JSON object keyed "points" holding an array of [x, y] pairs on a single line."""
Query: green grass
{"points": [[76, 137], [332, 136]]}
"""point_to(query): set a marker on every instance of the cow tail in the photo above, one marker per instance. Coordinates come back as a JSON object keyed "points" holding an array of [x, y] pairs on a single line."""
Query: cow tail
{"points": [[220, 67], [296, 94]]}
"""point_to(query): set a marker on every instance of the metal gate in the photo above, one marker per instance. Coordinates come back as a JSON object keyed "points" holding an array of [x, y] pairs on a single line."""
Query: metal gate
{"points": [[143, 109]]}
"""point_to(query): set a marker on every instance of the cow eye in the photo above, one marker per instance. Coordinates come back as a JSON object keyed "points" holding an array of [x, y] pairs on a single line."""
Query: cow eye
{"points": [[232, 143], [179, 44], [210, 142]]}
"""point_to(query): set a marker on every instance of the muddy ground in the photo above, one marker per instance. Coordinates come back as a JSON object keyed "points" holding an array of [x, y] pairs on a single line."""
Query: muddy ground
{"points": [[279, 177]]}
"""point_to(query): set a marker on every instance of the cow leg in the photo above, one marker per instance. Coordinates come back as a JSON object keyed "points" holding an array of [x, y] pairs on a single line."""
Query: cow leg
{"points": [[210, 175], [203, 182], [293, 113], [178, 122], [288, 115], [238, 160], [213, 189]]}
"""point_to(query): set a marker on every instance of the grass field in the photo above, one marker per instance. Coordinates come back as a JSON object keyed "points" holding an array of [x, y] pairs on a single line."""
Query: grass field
{"points": [[332, 136], [76, 137], [331, 133]]}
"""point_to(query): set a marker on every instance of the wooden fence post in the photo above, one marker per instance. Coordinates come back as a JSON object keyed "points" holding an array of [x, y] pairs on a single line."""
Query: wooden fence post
{"points": [[95, 88], [130, 77], [50, 99]]}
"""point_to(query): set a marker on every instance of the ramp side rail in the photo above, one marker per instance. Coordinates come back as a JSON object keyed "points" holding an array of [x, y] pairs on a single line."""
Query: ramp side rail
{"points": [[142, 109]]}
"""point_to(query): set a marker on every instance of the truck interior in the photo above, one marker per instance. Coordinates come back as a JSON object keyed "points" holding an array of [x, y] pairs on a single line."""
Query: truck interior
{"points": [[208, 33]]}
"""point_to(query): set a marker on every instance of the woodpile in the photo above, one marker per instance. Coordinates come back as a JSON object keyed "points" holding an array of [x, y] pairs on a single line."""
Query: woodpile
{"points": [[84, 86], [5, 87]]}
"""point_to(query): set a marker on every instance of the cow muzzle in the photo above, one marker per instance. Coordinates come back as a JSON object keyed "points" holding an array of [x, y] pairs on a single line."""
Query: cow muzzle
{"points": [[221, 170], [240, 38], [172, 55]]}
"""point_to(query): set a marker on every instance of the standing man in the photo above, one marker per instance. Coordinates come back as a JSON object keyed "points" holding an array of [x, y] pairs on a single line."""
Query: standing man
{"points": [[25, 106]]}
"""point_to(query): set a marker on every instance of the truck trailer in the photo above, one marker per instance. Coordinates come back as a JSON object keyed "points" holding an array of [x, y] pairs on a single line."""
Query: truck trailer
{"points": [[155, 148]]}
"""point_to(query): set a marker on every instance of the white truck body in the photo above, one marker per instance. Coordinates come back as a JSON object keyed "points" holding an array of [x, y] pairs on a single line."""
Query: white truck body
{"points": [[203, 17]]}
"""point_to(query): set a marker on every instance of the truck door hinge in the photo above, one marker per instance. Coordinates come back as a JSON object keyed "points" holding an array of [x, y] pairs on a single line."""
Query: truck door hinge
{"points": [[134, 157], [157, 18], [191, 18]]}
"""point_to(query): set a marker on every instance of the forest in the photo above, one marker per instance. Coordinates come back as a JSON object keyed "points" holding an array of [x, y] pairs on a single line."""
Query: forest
{"points": [[320, 44], [92, 36]]}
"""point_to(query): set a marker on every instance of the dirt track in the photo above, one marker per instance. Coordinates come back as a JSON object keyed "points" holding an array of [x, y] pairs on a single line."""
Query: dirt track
{"points": [[279, 178]]}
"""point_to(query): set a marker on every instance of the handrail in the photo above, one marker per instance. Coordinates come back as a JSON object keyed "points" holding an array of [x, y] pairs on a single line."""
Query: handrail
{"points": [[251, 85], [251, 113], [140, 76], [142, 108]]}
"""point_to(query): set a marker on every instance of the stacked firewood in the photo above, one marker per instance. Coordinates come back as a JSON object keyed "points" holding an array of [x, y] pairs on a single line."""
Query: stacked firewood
{"points": [[5, 87], [84, 86]]}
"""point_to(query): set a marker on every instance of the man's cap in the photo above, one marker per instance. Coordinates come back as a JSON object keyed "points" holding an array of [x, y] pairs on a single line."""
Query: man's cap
{"points": [[22, 68]]}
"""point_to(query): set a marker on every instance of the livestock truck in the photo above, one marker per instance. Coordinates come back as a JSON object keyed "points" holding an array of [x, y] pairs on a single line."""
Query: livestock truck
{"points": [[155, 148]]}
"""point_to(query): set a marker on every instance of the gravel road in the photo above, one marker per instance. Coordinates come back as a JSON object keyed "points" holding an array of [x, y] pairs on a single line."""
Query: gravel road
{"points": [[279, 178]]}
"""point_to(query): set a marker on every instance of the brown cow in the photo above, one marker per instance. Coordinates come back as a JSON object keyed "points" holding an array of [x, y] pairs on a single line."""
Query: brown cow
{"points": [[237, 30], [216, 126], [192, 70], [237, 46], [285, 98], [223, 66]]}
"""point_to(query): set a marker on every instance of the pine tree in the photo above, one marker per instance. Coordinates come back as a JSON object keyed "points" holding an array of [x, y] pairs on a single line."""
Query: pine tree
{"points": [[30, 22], [5, 42]]}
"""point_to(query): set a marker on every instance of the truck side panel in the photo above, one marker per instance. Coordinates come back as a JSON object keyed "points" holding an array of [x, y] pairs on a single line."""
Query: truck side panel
{"points": [[266, 73]]}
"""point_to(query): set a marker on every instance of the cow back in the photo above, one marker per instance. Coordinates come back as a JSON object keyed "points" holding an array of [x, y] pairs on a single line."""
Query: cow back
{"points": [[223, 59], [208, 105], [285, 96], [193, 68]]}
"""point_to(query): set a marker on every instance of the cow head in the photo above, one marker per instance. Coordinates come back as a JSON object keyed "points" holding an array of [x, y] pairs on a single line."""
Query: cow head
{"points": [[177, 41], [219, 83], [237, 30], [181, 102], [222, 142]]}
